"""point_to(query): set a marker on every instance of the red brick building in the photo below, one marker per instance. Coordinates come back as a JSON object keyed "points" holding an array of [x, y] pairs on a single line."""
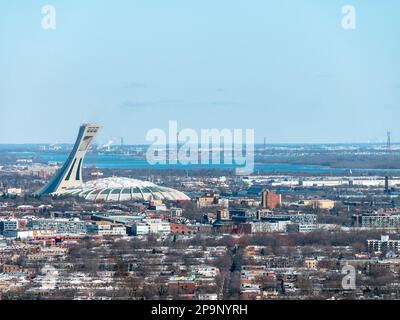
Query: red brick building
{"points": [[180, 228], [270, 200]]}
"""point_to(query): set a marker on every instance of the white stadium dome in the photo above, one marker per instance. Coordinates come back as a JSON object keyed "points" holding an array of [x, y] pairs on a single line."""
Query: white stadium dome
{"points": [[123, 189]]}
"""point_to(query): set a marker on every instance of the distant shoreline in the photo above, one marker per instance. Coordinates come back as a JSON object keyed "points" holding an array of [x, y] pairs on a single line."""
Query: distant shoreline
{"points": [[319, 164]]}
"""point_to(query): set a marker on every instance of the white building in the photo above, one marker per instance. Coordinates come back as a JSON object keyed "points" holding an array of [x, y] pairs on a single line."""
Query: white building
{"points": [[158, 226], [62, 226], [146, 226], [207, 271], [307, 227], [140, 229], [384, 244], [263, 226], [207, 296], [14, 191], [106, 229]]}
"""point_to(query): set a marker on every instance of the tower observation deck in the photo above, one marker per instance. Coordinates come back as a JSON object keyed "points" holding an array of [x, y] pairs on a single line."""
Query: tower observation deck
{"points": [[70, 174]]}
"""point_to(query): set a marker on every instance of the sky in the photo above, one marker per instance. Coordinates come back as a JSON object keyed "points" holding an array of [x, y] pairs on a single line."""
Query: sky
{"points": [[285, 68]]}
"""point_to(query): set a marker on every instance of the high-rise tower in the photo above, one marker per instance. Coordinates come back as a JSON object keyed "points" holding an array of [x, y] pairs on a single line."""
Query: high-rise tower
{"points": [[70, 174], [270, 200], [386, 184], [388, 144]]}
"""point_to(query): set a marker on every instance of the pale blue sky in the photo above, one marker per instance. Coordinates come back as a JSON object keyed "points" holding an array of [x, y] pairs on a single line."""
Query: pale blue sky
{"points": [[285, 68]]}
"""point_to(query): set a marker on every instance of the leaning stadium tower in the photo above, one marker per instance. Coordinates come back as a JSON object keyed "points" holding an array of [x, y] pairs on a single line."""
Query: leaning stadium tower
{"points": [[70, 174]]}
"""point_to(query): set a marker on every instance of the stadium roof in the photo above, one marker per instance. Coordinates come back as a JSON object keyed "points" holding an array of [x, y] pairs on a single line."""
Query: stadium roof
{"points": [[123, 189]]}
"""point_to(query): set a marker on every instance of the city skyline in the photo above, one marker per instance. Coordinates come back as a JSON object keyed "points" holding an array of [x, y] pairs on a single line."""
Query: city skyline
{"points": [[227, 154]]}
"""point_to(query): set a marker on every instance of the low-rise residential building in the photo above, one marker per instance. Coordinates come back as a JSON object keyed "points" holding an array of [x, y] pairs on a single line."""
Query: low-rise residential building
{"points": [[310, 263], [62, 226], [104, 228], [383, 244], [384, 220], [264, 226], [318, 203], [9, 228]]}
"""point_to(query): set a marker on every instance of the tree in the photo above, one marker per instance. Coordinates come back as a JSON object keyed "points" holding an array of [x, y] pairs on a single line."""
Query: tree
{"points": [[234, 286]]}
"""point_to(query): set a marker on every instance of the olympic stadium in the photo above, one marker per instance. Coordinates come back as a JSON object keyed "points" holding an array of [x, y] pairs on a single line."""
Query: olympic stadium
{"points": [[68, 180], [123, 189]]}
